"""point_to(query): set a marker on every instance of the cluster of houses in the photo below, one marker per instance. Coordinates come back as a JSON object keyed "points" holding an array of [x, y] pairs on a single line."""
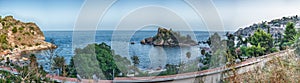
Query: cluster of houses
{"points": [[14, 57]]}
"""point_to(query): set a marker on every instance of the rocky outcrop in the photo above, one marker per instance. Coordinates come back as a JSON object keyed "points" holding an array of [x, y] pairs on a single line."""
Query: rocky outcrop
{"points": [[15, 34], [165, 37]]}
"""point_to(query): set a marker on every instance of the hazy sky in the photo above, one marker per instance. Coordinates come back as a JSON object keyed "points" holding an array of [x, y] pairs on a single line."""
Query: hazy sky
{"points": [[63, 14]]}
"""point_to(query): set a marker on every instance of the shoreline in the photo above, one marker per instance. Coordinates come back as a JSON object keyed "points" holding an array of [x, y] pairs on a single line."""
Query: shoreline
{"points": [[16, 53]]}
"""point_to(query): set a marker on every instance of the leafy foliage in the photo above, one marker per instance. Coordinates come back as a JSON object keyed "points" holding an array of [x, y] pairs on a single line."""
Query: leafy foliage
{"points": [[9, 77], [290, 34], [255, 50], [96, 59], [14, 30], [135, 60], [264, 39]]}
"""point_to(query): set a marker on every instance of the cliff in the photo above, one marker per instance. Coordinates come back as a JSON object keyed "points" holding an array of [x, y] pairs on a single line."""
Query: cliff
{"points": [[21, 36], [165, 37]]}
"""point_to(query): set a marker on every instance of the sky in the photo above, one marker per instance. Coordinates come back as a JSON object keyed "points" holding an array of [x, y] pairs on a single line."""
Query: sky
{"points": [[55, 15]]}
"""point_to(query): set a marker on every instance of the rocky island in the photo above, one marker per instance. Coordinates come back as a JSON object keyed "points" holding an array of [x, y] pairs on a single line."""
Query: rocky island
{"points": [[17, 36], [165, 37]]}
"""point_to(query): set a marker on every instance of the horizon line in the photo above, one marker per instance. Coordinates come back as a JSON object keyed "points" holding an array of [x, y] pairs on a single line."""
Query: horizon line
{"points": [[144, 30]]}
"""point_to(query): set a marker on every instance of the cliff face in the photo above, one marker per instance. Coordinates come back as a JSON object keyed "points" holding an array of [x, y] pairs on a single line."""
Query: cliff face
{"points": [[20, 35], [166, 37]]}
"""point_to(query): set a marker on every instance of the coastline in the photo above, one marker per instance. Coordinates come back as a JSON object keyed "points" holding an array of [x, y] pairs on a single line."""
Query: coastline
{"points": [[16, 53]]}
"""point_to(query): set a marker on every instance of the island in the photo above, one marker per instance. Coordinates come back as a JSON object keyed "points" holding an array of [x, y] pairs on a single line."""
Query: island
{"points": [[17, 37], [165, 37]]}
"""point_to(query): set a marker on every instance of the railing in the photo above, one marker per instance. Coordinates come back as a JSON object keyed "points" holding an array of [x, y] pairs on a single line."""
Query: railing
{"points": [[190, 75]]}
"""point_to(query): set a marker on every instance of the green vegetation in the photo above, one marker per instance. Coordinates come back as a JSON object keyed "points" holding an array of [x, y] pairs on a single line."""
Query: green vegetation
{"points": [[96, 59], [290, 34], [32, 73], [263, 39], [3, 38], [31, 28], [3, 41], [188, 55], [255, 51], [135, 60], [9, 77], [14, 30], [60, 65], [21, 28], [170, 70], [218, 55], [165, 37]]}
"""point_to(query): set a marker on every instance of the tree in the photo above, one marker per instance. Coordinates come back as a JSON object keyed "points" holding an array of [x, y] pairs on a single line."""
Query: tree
{"points": [[32, 72], [202, 52], [71, 69], [96, 58], [262, 38], [188, 54], [241, 41], [7, 61], [214, 42], [51, 52], [255, 50], [135, 60], [230, 44], [59, 63], [289, 35]]}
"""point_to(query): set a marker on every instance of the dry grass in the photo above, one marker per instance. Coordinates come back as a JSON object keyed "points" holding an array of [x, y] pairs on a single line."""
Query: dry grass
{"points": [[278, 70]]}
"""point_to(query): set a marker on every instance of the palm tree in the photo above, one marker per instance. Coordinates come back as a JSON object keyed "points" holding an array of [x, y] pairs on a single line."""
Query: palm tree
{"points": [[59, 63]]}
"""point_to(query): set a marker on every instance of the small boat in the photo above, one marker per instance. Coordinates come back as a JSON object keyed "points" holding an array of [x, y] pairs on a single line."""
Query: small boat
{"points": [[132, 43]]}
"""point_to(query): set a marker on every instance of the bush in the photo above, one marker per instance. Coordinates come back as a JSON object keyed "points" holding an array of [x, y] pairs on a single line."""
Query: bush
{"points": [[21, 28], [31, 28], [273, 50], [3, 39], [14, 30], [256, 50]]}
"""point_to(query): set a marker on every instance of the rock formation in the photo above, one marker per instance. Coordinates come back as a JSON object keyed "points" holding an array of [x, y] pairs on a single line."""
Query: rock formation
{"points": [[15, 34], [165, 37]]}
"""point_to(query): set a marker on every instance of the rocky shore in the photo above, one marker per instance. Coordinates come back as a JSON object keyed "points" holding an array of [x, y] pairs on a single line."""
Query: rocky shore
{"points": [[165, 37]]}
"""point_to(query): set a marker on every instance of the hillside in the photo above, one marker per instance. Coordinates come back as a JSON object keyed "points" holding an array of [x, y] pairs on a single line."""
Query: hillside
{"points": [[276, 26], [21, 36]]}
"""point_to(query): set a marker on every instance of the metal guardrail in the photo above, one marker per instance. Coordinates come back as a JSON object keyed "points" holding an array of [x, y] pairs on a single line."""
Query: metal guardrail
{"points": [[249, 62]]}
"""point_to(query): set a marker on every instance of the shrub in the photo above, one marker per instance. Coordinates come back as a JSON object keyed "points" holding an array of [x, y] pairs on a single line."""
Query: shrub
{"points": [[3, 39], [256, 50], [31, 28], [14, 30], [26, 33], [21, 28]]}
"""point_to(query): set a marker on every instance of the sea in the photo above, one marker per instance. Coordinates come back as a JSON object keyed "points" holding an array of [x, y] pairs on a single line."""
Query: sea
{"points": [[121, 42]]}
